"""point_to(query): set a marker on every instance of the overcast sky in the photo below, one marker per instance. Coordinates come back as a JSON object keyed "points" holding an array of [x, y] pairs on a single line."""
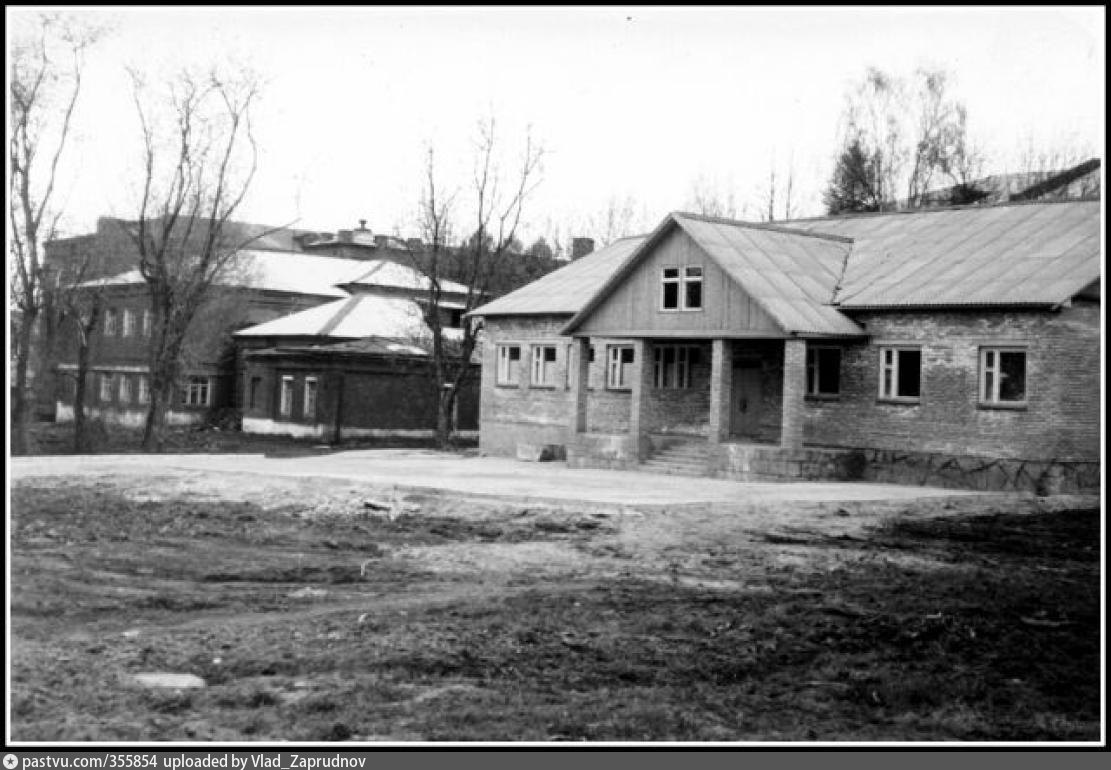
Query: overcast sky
{"points": [[627, 101]]}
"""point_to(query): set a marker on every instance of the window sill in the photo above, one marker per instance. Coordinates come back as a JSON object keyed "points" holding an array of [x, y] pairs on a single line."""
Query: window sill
{"points": [[510, 385], [541, 387], [823, 396], [1017, 406], [618, 390], [900, 401]]}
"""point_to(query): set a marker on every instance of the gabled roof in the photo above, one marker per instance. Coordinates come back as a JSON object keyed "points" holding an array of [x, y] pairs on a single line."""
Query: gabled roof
{"points": [[791, 275], [383, 272], [363, 315], [566, 290], [1010, 255]]}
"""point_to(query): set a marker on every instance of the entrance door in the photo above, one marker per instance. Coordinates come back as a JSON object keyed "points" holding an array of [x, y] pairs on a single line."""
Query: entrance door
{"points": [[748, 401]]}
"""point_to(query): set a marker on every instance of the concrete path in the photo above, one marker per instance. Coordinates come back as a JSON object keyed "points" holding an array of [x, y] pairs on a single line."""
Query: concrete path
{"points": [[482, 476]]}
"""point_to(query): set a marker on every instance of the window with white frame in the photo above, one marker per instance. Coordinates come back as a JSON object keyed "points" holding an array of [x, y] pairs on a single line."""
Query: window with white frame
{"points": [[1002, 375], [197, 391], [111, 322], [901, 373], [127, 326], [681, 288], [144, 390], [619, 369], [543, 365], [125, 389], [672, 365], [692, 288], [105, 387], [823, 370], [669, 297], [148, 322], [285, 399], [309, 404], [509, 362]]}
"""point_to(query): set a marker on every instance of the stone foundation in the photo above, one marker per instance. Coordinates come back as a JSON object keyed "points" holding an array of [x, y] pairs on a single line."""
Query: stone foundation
{"points": [[1042, 477], [618, 451]]}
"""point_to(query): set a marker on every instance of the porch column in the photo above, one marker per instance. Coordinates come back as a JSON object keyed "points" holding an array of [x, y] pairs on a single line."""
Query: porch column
{"points": [[580, 380], [638, 398], [721, 390], [794, 392]]}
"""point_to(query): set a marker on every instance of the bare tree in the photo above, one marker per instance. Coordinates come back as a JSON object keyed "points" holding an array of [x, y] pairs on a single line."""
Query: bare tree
{"points": [[83, 305], [194, 179], [707, 197], [46, 72], [899, 133], [497, 203]]}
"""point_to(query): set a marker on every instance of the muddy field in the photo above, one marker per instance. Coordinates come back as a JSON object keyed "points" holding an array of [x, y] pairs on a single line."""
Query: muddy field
{"points": [[312, 616]]}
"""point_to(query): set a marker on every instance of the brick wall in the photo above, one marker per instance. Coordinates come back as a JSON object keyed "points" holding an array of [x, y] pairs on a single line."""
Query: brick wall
{"points": [[1060, 420]]}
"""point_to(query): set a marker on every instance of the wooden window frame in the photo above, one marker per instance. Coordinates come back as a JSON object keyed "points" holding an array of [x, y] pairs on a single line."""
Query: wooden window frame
{"points": [[285, 395], [541, 374], [615, 366], [991, 377], [508, 369], [813, 371], [896, 350]]}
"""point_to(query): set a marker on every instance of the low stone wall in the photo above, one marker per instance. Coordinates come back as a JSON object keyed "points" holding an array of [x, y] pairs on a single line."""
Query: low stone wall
{"points": [[748, 462]]}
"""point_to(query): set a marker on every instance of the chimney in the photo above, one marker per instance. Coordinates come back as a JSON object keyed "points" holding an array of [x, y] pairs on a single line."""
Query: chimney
{"points": [[362, 224], [580, 247]]}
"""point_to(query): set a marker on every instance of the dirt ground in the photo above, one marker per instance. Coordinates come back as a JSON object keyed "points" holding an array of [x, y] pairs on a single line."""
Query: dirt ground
{"points": [[312, 616]]}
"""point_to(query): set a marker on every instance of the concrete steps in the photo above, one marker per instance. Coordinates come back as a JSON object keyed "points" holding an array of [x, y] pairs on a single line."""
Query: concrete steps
{"points": [[685, 458]]}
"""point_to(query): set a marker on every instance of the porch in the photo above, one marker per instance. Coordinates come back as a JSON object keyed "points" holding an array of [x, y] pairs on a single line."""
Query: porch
{"points": [[721, 407]]}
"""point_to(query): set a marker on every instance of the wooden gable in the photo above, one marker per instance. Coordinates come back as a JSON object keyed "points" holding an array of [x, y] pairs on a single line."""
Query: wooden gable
{"points": [[633, 308]]}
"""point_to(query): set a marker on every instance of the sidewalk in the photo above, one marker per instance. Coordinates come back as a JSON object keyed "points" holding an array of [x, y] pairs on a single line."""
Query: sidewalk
{"points": [[483, 476]]}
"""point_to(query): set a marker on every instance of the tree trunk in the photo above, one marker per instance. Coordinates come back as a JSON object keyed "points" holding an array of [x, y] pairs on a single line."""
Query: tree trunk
{"points": [[154, 432], [20, 415], [80, 440], [443, 418]]}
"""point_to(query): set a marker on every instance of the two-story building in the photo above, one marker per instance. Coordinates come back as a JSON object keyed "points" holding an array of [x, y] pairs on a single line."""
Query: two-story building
{"points": [[948, 346], [291, 293]]}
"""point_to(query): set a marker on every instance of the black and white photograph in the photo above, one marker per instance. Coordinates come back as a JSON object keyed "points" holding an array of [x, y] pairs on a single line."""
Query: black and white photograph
{"points": [[627, 376]]}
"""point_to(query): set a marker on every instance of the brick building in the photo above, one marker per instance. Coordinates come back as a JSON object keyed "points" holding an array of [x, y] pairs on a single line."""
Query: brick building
{"points": [[282, 273], [954, 346]]}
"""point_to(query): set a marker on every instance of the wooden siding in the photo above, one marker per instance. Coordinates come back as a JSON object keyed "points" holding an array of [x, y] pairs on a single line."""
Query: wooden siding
{"points": [[635, 304]]}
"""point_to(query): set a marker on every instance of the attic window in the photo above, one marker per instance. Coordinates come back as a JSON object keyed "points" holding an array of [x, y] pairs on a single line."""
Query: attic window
{"points": [[681, 288], [692, 288], [670, 289]]}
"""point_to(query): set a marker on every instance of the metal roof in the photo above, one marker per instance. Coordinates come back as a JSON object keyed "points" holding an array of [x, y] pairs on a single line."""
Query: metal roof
{"points": [[1010, 255], [384, 272], [373, 346], [566, 290], [298, 273], [790, 275], [363, 315]]}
